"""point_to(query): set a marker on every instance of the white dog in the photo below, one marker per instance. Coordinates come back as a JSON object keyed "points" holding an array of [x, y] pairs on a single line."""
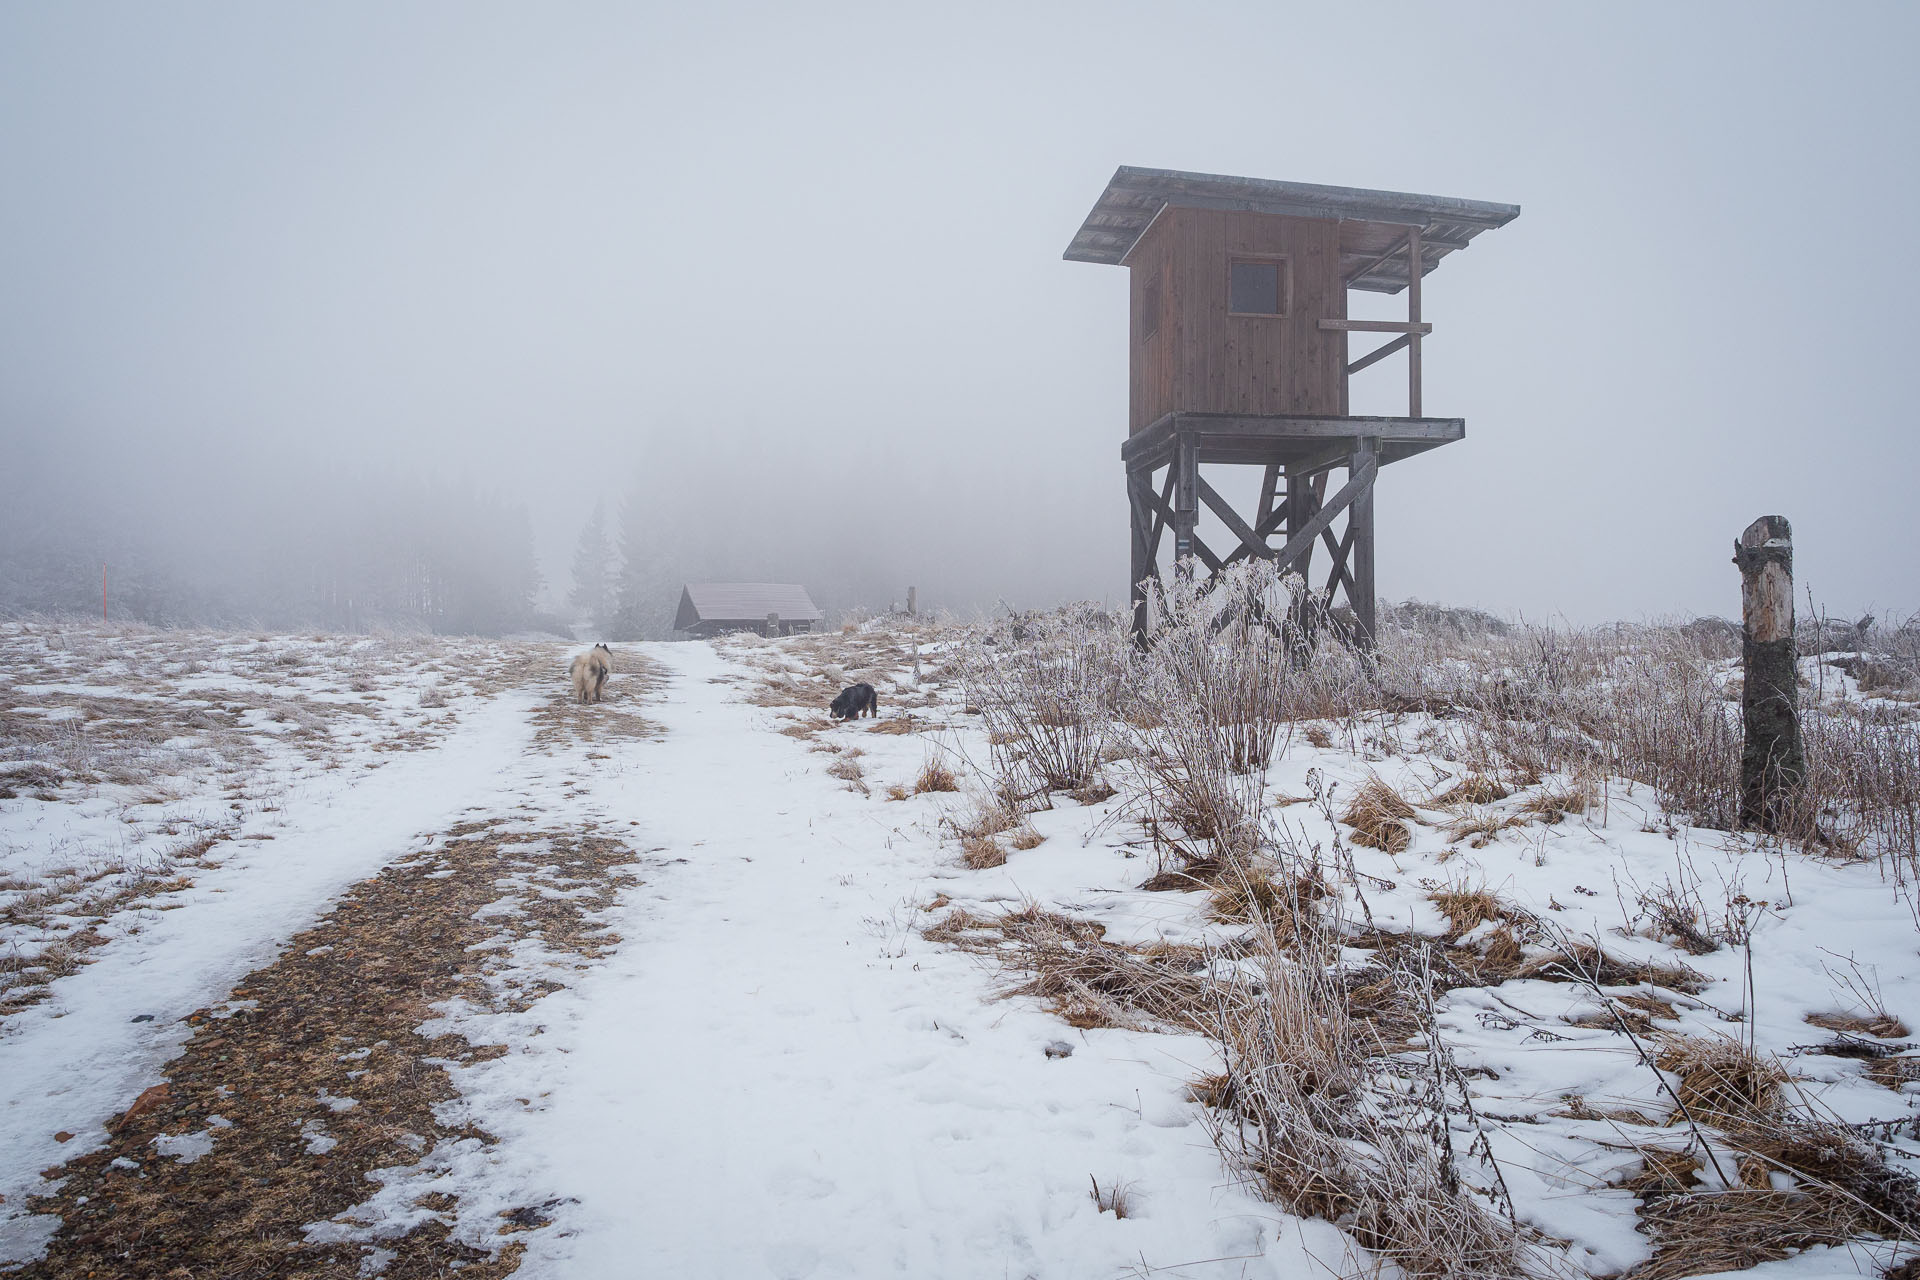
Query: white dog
{"points": [[590, 672]]}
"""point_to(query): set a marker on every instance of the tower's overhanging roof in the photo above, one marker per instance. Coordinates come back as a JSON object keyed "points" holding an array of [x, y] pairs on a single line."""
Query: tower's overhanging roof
{"points": [[1373, 224]]}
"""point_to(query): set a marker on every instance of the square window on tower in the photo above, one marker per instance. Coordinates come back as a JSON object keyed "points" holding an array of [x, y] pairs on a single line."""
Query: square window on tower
{"points": [[1257, 287]]}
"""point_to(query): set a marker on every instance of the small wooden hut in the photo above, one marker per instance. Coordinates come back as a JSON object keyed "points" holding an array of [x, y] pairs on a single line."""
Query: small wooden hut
{"points": [[770, 608], [1239, 356]]}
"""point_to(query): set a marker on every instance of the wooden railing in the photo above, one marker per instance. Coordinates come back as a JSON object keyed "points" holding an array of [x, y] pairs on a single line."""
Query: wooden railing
{"points": [[1411, 330]]}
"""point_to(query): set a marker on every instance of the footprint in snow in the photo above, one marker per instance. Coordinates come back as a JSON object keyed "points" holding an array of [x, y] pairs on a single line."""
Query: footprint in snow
{"points": [[800, 1184]]}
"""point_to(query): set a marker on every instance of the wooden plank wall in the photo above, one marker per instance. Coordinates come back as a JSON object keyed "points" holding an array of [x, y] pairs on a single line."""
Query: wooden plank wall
{"points": [[1204, 360]]}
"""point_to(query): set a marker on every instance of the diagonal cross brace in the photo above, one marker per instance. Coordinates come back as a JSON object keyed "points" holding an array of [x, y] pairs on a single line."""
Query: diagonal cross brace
{"points": [[1356, 484]]}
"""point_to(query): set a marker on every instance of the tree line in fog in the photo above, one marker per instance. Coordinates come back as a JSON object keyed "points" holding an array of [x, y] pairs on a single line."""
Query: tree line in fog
{"points": [[415, 556]]}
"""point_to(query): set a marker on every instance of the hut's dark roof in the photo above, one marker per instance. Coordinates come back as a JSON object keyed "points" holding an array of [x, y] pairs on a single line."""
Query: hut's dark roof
{"points": [[743, 602], [1373, 223]]}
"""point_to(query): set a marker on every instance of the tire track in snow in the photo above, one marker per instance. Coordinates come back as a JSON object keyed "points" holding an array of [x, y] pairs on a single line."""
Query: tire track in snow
{"points": [[76, 1060]]}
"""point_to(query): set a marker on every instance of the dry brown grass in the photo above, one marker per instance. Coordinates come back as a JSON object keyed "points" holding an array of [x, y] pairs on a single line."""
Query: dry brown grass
{"points": [[1466, 908], [1473, 789], [1260, 892], [1720, 1081], [935, 776], [1377, 814], [1082, 978], [1552, 804], [1893, 1073], [1478, 827], [1663, 1171], [981, 853], [895, 725], [1582, 962], [1877, 1023], [848, 769], [988, 815], [1215, 1090], [1025, 837], [1115, 1198], [1842, 1187], [1706, 1233]]}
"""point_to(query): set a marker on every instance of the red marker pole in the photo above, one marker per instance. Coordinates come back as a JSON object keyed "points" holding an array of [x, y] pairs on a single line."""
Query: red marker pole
{"points": [[103, 593]]}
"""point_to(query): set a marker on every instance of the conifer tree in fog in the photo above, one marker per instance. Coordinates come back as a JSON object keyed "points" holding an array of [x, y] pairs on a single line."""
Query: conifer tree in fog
{"points": [[652, 568], [592, 594]]}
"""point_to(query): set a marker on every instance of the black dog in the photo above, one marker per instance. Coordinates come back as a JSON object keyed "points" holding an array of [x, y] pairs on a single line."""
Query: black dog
{"points": [[852, 702]]}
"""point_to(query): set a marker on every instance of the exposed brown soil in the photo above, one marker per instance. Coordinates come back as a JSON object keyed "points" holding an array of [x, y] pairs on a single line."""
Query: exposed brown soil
{"points": [[617, 717]]}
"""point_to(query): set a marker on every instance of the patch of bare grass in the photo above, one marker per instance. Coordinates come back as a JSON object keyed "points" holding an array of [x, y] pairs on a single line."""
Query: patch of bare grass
{"points": [[1720, 1080], [1473, 789], [1466, 907], [1084, 979], [988, 815], [1378, 817], [981, 853], [1584, 962], [848, 769], [1878, 1023], [1553, 804], [1025, 837], [935, 776], [1115, 1198], [1893, 1073]]}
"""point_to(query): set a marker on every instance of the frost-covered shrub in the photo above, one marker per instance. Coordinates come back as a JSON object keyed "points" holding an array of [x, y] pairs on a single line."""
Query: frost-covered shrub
{"points": [[1209, 696], [1050, 697]]}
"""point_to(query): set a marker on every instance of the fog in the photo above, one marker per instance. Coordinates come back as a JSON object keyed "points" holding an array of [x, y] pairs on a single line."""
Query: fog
{"points": [[787, 281]]}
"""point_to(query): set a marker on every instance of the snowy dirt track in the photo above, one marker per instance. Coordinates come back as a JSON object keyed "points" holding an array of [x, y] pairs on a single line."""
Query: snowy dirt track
{"points": [[765, 1069], [777, 1076]]}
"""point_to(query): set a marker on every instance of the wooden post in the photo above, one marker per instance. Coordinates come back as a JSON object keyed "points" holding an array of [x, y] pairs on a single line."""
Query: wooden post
{"points": [[1360, 528], [1414, 264], [1303, 504], [912, 600], [1772, 763], [103, 593], [1186, 503], [773, 626], [1140, 519]]}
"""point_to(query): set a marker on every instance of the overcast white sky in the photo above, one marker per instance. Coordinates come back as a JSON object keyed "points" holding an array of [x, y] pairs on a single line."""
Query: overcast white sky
{"points": [[800, 265]]}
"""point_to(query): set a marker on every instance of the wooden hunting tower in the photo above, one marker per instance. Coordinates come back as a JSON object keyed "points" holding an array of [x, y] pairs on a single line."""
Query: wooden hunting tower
{"points": [[1239, 356]]}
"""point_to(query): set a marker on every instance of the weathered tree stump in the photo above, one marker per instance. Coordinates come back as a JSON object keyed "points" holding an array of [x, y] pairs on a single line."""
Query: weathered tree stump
{"points": [[1772, 763]]}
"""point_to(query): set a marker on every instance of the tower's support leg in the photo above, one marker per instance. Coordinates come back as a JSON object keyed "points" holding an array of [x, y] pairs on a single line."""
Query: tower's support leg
{"points": [[1140, 517], [1303, 504], [1186, 502], [1360, 588], [1304, 493]]}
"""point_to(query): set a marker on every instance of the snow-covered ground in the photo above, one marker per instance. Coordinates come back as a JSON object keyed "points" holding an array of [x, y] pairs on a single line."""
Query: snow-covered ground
{"points": [[773, 1071]]}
